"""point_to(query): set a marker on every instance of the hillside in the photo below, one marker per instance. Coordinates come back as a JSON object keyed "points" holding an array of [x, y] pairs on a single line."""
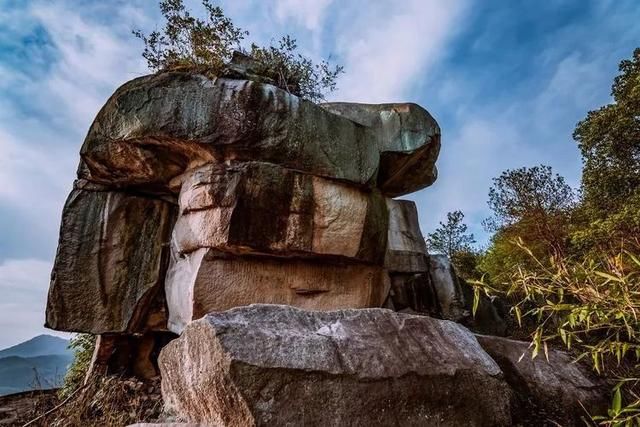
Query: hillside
{"points": [[25, 373], [39, 363], [41, 345]]}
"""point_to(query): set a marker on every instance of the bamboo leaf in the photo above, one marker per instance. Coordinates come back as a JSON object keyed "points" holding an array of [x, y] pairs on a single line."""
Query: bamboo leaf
{"points": [[616, 404], [476, 300], [609, 276]]}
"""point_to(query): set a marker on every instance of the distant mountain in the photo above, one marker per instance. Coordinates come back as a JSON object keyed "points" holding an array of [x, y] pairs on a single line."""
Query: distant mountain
{"points": [[39, 363], [42, 345], [29, 373]]}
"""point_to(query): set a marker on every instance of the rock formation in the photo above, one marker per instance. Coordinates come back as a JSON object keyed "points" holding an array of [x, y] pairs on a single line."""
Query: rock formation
{"points": [[228, 192], [278, 365], [199, 196]]}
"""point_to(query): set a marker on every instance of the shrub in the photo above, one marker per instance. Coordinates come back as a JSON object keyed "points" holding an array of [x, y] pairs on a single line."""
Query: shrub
{"points": [[83, 345], [206, 45], [590, 307]]}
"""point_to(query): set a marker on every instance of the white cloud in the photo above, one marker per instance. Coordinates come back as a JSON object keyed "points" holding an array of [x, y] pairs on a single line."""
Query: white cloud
{"points": [[309, 13], [469, 159], [23, 286], [93, 58], [388, 46]]}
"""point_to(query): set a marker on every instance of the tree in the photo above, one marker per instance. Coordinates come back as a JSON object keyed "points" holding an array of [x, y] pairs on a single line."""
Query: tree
{"points": [[451, 237], [609, 140], [189, 43], [534, 202]]}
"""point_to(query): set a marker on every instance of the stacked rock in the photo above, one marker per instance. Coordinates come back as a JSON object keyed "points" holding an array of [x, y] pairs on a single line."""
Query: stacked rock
{"points": [[198, 194], [198, 197]]}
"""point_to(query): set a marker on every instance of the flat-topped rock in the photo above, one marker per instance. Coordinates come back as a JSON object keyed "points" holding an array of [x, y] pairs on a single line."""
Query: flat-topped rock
{"points": [[155, 127], [278, 365]]}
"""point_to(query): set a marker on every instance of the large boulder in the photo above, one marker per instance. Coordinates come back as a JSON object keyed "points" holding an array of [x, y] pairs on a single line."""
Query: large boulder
{"points": [[557, 389], [207, 280], [110, 263], [257, 207], [278, 365], [155, 127]]}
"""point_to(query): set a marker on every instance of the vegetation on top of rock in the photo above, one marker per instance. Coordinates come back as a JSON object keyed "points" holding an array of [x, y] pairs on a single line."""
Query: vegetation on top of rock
{"points": [[207, 45]]}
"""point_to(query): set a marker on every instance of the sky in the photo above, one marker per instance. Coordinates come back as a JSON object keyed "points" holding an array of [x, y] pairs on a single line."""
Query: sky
{"points": [[507, 81]]}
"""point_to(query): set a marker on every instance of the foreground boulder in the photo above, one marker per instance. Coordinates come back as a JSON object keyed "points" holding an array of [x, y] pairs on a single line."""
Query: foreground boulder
{"points": [[558, 390], [279, 365]]}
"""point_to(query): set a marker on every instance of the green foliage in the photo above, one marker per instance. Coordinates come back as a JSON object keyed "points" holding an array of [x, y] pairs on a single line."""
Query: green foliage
{"points": [[609, 140], [452, 236], [295, 73], [569, 269], [451, 239], [466, 262], [535, 201], [590, 307], [83, 345], [206, 45], [502, 257], [187, 41], [533, 204], [607, 233]]}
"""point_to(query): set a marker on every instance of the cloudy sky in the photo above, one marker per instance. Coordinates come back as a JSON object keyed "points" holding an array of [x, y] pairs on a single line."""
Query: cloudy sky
{"points": [[507, 81]]}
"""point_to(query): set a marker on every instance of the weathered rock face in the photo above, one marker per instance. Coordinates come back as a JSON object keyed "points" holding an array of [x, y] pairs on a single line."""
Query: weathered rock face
{"points": [[428, 284], [448, 288], [154, 127], [557, 390], [278, 365], [263, 208], [110, 261], [206, 281], [410, 143], [406, 247]]}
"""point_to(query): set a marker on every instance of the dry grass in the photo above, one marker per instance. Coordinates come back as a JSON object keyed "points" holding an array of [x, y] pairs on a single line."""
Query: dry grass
{"points": [[107, 401]]}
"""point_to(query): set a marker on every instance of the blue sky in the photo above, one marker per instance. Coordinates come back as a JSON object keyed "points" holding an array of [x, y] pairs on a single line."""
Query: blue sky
{"points": [[507, 81]]}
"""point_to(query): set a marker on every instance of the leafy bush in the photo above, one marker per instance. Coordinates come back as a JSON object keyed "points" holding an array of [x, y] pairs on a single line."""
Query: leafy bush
{"points": [[590, 307], [295, 73], [206, 45], [83, 345]]}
